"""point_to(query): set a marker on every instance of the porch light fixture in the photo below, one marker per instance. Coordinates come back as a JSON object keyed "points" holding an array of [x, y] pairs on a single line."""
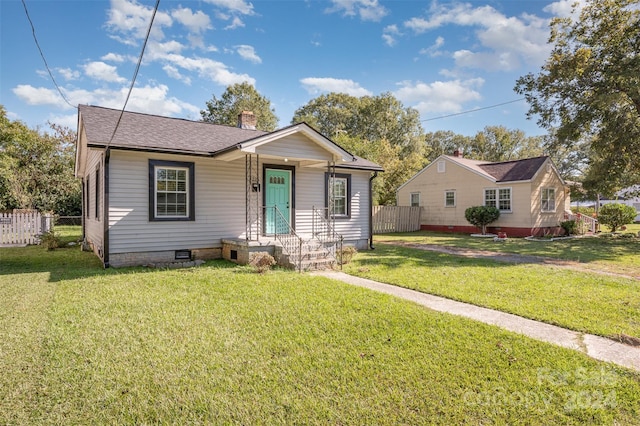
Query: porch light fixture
{"points": [[286, 160]]}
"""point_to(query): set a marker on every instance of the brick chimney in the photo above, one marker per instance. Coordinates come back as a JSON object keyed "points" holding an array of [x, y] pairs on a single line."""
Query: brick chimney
{"points": [[247, 120], [457, 153]]}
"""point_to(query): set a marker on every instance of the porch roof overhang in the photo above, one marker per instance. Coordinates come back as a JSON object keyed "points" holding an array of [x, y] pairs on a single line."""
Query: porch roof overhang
{"points": [[335, 153]]}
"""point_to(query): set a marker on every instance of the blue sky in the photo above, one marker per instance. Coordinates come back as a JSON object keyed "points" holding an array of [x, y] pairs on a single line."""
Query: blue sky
{"points": [[440, 58]]}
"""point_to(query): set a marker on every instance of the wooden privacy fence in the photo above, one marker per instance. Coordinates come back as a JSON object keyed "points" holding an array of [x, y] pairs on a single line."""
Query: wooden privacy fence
{"points": [[23, 228], [395, 219]]}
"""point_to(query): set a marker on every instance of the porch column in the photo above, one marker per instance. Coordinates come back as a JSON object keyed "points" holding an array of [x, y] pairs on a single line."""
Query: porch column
{"points": [[253, 190]]}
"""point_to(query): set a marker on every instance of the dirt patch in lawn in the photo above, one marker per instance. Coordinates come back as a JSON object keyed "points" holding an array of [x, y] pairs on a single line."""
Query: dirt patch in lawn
{"points": [[517, 258]]}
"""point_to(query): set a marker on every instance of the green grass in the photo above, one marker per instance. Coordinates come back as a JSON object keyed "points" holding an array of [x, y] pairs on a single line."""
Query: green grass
{"points": [[613, 254], [586, 302], [219, 344]]}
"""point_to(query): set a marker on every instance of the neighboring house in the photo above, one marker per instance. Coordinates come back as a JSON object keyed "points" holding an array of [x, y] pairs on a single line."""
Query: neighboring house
{"points": [[628, 196], [531, 195], [165, 189]]}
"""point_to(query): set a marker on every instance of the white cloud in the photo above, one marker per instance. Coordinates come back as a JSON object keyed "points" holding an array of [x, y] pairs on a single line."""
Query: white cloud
{"points": [[102, 71], [68, 73], [196, 22], [564, 8], [147, 99], [439, 96], [367, 10], [491, 61], [208, 68], [157, 50], [154, 100], [235, 23], [511, 40], [40, 96], [389, 34], [70, 121], [173, 72], [434, 49], [248, 52], [234, 6], [132, 19], [315, 85], [113, 57]]}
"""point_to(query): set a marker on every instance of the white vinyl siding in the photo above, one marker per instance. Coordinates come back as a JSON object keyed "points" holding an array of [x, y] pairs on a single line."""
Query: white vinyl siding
{"points": [[220, 204], [93, 226], [548, 200], [294, 147], [308, 196]]}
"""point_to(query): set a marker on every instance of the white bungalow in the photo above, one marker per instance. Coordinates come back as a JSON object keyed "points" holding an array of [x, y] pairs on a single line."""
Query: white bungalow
{"points": [[162, 190]]}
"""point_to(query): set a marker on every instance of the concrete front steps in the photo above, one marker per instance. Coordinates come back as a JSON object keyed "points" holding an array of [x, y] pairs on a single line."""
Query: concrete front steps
{"points": [[315, 257]]}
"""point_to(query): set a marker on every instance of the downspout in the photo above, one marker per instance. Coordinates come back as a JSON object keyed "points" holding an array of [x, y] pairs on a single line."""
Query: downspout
{"points": [[84, 214], [375, 175], [105, 210]]}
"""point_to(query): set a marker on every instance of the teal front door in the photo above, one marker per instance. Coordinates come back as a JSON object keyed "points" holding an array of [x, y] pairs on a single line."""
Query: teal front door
{"points": [[277, 194]]}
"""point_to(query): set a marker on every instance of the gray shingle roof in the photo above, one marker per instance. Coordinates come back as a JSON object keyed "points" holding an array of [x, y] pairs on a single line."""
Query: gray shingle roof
{"points": [[152, 132], [510, 171], [148, 132], [504, 171]]}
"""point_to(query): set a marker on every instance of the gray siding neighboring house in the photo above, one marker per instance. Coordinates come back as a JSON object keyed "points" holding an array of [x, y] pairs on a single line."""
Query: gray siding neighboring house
{"points": [[162, 185]]}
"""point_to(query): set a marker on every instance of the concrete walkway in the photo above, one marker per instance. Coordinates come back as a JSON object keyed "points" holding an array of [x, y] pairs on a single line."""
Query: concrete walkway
{"points": [[596, 347]]}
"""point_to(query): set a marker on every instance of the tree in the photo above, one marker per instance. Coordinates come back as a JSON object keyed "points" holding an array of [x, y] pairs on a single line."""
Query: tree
{"points": [[614, 215], [369, 118], [589, 89], [497, 143], [378, 128], [237, 98], [445, 142], [481, 216], [36, 170]]}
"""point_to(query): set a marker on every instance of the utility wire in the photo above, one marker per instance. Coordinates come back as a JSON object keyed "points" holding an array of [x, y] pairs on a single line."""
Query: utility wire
{"points": [[33, 31], [135, 74], [473, 110]]}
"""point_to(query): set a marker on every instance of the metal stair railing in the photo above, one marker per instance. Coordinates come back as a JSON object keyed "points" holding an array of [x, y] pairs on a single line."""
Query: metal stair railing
{"points": [[283, 232], [324, 233]]}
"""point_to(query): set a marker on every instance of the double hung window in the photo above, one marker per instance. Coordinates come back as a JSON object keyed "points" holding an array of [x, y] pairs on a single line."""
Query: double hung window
{"points": [[171, 190], [548, 203], [498, 197]]}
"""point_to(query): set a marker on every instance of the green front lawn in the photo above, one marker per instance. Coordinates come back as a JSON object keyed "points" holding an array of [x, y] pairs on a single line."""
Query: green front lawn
{"points": [[615, 254], [586, 302], [220, 344]]}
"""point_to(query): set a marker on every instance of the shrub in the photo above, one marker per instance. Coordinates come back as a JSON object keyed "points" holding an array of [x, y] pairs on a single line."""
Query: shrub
{"points": [[615, 215], [50, 240], [570, 227], [481, 216], [262, 261], [346, 254]]}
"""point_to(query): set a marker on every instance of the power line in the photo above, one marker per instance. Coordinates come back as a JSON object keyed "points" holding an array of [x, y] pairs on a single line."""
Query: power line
{"points": [[473, 110], [33, 31], [135, 74]]}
